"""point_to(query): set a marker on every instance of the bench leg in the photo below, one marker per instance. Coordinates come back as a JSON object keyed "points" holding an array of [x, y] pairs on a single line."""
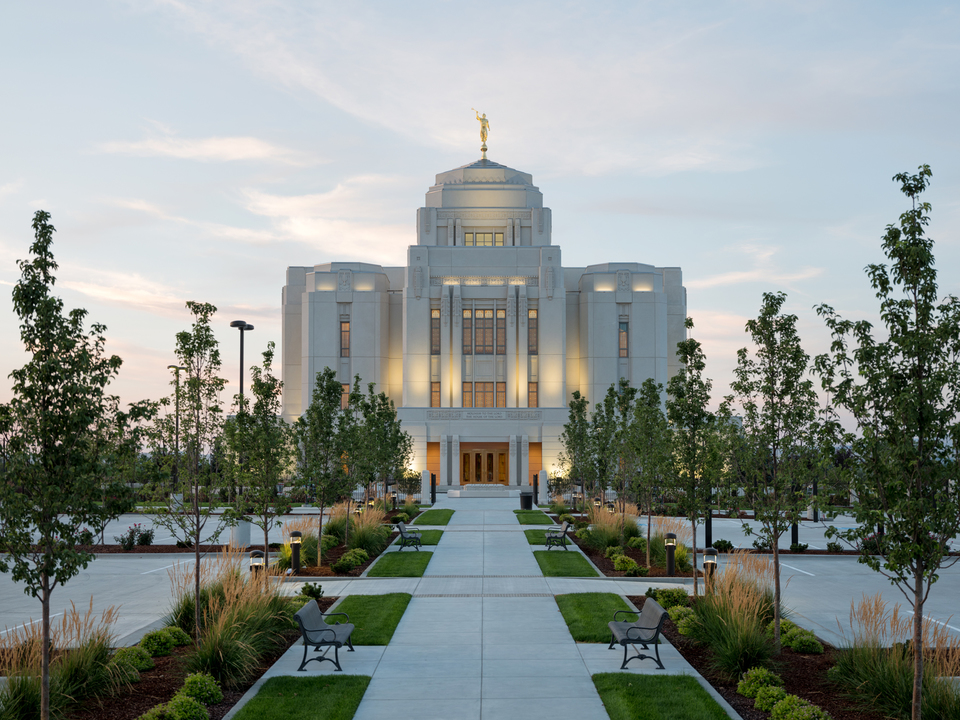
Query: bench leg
{"points": [[336, 657], [303, 664], [624, 666], [612, 640]]}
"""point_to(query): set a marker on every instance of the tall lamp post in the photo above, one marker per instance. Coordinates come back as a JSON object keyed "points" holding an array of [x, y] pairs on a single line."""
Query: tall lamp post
{"points": [[176, 421], [243, 327]]}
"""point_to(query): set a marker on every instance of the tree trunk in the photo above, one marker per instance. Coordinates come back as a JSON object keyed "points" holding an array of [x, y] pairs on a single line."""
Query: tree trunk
{"points": [[45, 650], [917, 646], [693, 526], [196, 568], [320, 537], [776, 596], [649, 521], [346, 525]]}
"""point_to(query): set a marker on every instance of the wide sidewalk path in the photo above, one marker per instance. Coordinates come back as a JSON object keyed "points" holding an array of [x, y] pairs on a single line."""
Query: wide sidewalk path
{"points": [[482, 636]]}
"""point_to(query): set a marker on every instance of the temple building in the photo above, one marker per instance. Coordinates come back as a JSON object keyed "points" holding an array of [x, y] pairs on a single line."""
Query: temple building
{"points": [[483, 336]]}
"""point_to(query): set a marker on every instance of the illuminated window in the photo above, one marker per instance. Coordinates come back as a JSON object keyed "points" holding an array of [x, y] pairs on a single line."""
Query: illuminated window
{"points": [[483, 343], [498, 239], [623, 339], [501, 394], [483, 395], [468, 332], [434, 332], [434, 394], [483, 239], [532, 345], [344, 395], [468, 239], [501, 332], [468, 394], [345, 339], [532, 400]]}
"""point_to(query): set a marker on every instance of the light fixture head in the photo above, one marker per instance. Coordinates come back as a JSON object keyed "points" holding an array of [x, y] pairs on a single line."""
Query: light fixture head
{"points": [[248, 327], [296, 537], [256, 558], [670, 539], [710, 556], [611, 508], [596, 502], [238, 323]]}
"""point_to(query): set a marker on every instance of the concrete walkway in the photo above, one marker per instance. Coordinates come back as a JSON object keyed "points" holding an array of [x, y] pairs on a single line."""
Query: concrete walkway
{"points": [[482, 636]]}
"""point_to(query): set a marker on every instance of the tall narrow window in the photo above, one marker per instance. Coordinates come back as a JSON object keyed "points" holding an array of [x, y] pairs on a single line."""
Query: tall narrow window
{"points": [[434, 394], [468, 239], [501, 394], [434, 332], [345, 339], [468, 332], [483, 344], [468, 394], [344, 395], [498, 239], [483, 395], [624, 332], [532, 344], [501, 332], [532, 399]]}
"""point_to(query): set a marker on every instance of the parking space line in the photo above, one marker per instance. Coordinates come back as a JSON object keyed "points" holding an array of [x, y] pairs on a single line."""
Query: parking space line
{"points": [[783, 564], [166, 566], [32, 622]]}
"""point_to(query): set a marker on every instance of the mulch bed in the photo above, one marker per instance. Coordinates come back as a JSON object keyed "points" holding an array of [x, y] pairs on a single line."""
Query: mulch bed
{"points": [[334, 554], [803, 675], [605, 565], [165, 679]]}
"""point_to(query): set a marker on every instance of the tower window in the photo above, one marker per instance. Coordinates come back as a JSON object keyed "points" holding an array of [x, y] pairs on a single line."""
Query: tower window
{"points": [[532, 342], [344, 395], [501, 332], [468, 394], [434, 332], [434, 394], [483, 343], [483, 239], [624, 345], [532, 399], [468, 332], [345, 339], [501, 394], [483, 395]]}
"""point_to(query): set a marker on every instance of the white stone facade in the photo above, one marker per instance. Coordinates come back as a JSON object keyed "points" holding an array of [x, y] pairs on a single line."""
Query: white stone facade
{"points": [[483, 337]]}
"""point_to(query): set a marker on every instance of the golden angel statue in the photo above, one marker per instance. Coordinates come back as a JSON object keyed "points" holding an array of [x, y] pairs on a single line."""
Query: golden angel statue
{"points": [[484, 129]]}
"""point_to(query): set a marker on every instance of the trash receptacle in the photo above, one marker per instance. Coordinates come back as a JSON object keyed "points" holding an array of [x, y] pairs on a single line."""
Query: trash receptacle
{"points": [[526, 499]]}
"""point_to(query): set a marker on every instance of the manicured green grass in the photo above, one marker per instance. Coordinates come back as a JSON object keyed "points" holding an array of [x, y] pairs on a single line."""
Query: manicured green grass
{"points": [[536, 536], [434, 517], [564, 564], [532, 517], [407, 563], [375, 617], [333, 697], [587, 615], [429, 537], [655, 697]]}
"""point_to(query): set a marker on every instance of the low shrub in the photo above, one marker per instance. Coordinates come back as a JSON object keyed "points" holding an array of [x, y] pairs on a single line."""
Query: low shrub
{"points": [[785, 627], [834, 547], [795, 708], [638, 543], [400, 518], [136, 656], [798, 547], [637, 571], [684, 618], [769, 696], [202, 688], [122, 671], [327, 543], [582, 533], [157, 712], [682, 559], [761, 544], [722, 545], [755, 678], [669, 597], [581, 525], [622, 563], [177, 635], [566, 518], [803, 641], [184, 707], [311, 590], [873, 544], [158, 643], [350, 560], [144, 537], [613, 551]]}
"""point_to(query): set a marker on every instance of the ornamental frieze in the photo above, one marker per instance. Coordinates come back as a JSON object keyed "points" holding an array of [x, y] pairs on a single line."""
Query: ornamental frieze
{"points": [[484, 415]]}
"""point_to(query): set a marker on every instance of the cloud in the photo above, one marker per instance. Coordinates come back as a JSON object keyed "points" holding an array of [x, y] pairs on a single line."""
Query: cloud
{"points": [[10, 188], [227, 232], [129, 290], [213, 149], [763, 270]]}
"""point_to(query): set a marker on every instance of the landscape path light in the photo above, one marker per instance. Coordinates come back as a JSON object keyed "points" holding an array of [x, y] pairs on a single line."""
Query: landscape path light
{"points": [[670, 542], [256, 561], [611, 508], [296, 537], [709, 564]]}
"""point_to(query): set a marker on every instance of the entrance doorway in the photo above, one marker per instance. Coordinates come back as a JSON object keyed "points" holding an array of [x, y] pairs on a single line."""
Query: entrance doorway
{"points": [[484, 463]]}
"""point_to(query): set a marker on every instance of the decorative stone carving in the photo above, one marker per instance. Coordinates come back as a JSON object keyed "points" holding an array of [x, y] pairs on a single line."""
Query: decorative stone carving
{"points": [[513, 446], [623, 280], [549, 280], [426, 220], [449, 231], [418, 282], [459, 239], [481, 214], [344, 280], [522, 313], [484, 415], [457, 310], [445, 308], [511, 307], [489, 280]]}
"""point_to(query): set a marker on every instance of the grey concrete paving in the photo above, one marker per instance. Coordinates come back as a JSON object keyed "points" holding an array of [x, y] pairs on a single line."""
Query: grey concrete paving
{"points": [[483, 636]]}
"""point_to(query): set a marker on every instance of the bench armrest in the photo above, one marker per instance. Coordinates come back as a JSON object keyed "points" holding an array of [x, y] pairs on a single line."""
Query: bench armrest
{"points": [[326, 615], [628, 612], [638, 628], [320, 630]]}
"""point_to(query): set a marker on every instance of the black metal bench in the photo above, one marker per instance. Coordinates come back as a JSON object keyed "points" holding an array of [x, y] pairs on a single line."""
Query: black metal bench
{"points": [[557, 537], [317, 633], [409, 538], [644, 631]]}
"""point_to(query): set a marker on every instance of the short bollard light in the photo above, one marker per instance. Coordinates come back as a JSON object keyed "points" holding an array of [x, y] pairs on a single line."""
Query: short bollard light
{"points": [[611, 508], [393, 497], [597, 502], [296, 537], [670, 542], [256, 561], [709, 564]]}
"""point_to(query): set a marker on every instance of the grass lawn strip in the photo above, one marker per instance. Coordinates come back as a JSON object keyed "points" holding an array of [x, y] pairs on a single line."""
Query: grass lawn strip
{"points": [[564, 564], [434, 517], [332, 697], [651, 697], [375, 617], [532, 517], [536, 536], [408, 563], [587, 615], [428, 537]]}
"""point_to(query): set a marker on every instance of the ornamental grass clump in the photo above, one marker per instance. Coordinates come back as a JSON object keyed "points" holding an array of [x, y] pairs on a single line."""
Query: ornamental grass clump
{"points": [[876, 666], [369, 532]]}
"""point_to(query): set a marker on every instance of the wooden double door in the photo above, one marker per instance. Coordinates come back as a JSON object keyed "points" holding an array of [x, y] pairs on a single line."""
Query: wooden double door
{"points": [[485, 463]]}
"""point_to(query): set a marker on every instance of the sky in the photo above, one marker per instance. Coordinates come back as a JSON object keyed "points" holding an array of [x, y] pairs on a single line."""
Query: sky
{"points": [[194, 150]]}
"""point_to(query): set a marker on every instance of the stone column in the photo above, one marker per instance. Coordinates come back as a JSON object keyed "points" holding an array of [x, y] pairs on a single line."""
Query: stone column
{"points": [[456, 470], [514, 464], [425, 486], [444, 478], [524, 450], [543, 485]]}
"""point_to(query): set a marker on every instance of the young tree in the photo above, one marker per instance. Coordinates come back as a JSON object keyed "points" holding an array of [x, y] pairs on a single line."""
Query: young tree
{"points": [[697, 461], [778, 409], [390, 447], [652, 448], [904, 393], [187, 516], [318, 449], [576, 456], [259, 450], [52, 468], [355, 466]]}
